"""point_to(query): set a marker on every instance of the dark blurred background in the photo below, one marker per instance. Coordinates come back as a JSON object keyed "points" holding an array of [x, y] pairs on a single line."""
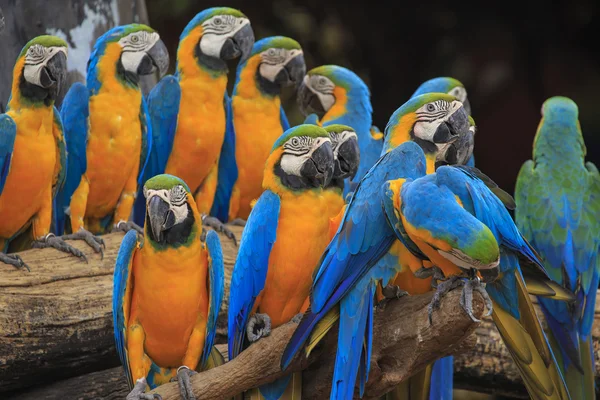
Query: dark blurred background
{"points": [[510, 57]]}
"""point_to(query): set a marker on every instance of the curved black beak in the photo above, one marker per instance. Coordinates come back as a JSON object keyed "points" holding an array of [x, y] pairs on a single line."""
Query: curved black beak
{"points": [[318, 170], [239, 45], [450, 130], [292, 72], [54, 73], [309, 102], [160, 217], [157, 58], [348, 158]]}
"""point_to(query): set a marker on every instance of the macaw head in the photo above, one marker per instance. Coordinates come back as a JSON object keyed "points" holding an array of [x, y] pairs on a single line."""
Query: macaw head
{"points": [[346, 153], [214, 36], [302, 158], [40, 70], [331, 87], [559, 128], [447, 85], [433, 120], [279, 62], [171, 213], [128, 51]]}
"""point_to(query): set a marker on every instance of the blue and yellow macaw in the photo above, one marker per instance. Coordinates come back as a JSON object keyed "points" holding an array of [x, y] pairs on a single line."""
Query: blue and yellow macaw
{"points": [[558, 208], [108, 133], [283, 239], [32, 148], [191, 110], [258, 121], [348, 273], [167, 292], [455, 88], [331, 94], [435, 382]]}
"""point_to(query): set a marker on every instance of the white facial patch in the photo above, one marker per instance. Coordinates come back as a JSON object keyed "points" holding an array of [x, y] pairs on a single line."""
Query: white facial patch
{"points": [[274, 60], [323, 87], [37, 57], [297, 150], [337, 139], [135, 45], [177, 202], [216, 31], [459, 92], [431, 115]]}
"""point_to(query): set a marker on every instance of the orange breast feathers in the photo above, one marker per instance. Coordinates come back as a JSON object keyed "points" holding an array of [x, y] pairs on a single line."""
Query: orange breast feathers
{"points": [[201, 120], [29, 183], [336, 207], [115, 138], [169, 298], [302, 235], [257, 123]]}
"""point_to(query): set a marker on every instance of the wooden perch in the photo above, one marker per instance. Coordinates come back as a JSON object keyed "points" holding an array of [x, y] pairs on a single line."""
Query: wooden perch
{"points": [[403, 343], [56, 321], [56, 334]]}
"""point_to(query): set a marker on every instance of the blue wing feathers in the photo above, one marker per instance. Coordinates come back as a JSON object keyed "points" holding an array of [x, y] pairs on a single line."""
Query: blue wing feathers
{"points": [[8, 133], [122, 278], [74, 114], [441, 379], [228, 172], [216, 284], [283, 118], [250, 270]]}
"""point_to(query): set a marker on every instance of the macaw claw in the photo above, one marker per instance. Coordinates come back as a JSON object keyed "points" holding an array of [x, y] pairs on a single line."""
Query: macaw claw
{"points": [[390, 292], [258, 326], [466, 298], [58, 243], [95, 242], [238, 222], [431, 272], [15, 260], [126, 226], [218, 226], [183, 380], [138, 392]]}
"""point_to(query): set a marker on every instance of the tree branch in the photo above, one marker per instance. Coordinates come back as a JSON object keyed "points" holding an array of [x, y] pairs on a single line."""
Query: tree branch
{"points": [[403, 343]]}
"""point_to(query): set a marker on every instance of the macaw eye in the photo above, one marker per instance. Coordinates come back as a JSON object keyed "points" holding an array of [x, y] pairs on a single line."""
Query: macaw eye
{"points": [[322, 81], [135, 39], [430, 107], [295, 141], [218, 21], [271, 52]]}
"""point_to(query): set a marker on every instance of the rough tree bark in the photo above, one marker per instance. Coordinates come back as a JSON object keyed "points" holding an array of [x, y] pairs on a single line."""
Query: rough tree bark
{"points": [[79, 22]]}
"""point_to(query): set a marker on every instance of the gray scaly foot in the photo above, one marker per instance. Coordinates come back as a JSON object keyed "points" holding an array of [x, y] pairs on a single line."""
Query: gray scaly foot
{"points": [[126, 226], [95, 242], [138, 392], [258, 326], [442, 289], [55, 242], [391, 292], [15, 260], [183, 379], [433, 272], [238, 222], [466, 297], [218, 226]]}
